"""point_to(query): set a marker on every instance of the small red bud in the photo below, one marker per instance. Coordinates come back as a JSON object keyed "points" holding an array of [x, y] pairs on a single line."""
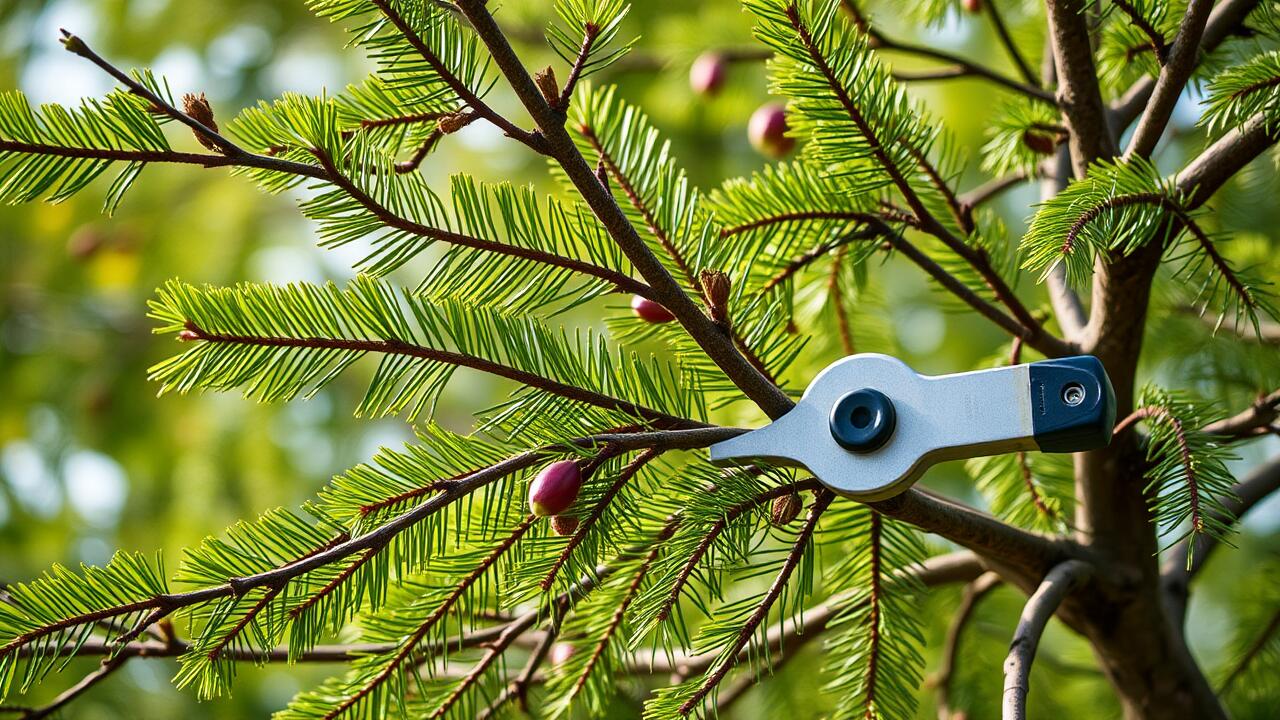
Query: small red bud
{"points": [[561, 652], [555, 488], [650, 311], [767, 131], [972, 6], [707, 75], [785, 509], [564, 525], [188, 336]]}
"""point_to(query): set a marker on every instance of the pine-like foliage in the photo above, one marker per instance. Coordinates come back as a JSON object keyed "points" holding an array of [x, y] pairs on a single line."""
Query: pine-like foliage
{"points": [[422, 569], [53, 616], [1188, 478], [100, 133], [281, 342], [1240, 92], [874, 658], [1123, 206], [1024, 133]]}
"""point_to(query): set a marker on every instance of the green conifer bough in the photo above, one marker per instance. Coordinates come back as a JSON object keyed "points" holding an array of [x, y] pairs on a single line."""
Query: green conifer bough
{"points": [[421, 577]]}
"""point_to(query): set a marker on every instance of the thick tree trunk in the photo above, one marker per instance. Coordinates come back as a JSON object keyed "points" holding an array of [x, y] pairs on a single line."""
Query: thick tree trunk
{"points": [[1139, 648]]}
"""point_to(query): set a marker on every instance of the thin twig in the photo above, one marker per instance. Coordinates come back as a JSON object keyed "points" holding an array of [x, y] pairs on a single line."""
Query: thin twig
{"points": [[400, 347], [455, 83], [1251, 653], [1035, 616], [1010, 47], [973, 594], [760, 614]]}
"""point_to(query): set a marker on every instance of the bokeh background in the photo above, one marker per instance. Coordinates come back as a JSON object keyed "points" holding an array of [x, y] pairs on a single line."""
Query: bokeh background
{"points": [[91, 460]]}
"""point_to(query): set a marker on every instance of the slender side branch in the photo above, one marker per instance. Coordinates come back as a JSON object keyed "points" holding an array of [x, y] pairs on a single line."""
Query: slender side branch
{"points": [[1177, 574], [459, 88], [1246, 423], [1182, 60], [399, 347], [621, 281], [667, 291], [973, 594], [1010, 47], [819, 506], [1040, 607]]}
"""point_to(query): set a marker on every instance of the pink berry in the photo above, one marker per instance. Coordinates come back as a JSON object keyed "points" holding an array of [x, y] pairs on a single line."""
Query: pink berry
{"points": [[768, 131], [972, 6], [564, 525], [555, 488], [561, 652], [707, 75], [650, 311]]}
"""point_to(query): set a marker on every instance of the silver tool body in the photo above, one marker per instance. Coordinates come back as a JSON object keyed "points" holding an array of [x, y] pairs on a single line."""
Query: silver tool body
{"points": [[868, 425]]}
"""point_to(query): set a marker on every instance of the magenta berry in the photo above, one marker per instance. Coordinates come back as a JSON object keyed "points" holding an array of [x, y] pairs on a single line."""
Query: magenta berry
{"points": [[768, 131], [555, 488], [564, 525], [650, 311], [707, 74]]}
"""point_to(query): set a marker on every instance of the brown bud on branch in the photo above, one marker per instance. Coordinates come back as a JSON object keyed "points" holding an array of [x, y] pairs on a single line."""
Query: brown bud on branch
{"points": [[785, 509], [545, 79], [715, 288], [198, 107]]}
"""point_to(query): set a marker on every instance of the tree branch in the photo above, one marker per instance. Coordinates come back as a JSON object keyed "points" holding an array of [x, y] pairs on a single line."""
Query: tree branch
{"points": [[1258, 416], [1028, 552], [459, 88], [1078, 92], [667, 291], [400, 347], [1225, 19], [1040, 607], [1182, 60], [1010, 47]]}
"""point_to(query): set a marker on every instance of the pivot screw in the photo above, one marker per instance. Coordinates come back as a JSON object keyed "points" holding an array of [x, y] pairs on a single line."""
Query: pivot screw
{"points": [[1073, 394], [863, 421]]}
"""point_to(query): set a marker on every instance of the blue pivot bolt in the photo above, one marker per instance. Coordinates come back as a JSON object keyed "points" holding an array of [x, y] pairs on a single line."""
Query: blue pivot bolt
{"points": [[863, 421]]}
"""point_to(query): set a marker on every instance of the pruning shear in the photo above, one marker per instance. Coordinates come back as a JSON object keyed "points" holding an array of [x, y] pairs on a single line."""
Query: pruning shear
{"points": [[868, 426]]}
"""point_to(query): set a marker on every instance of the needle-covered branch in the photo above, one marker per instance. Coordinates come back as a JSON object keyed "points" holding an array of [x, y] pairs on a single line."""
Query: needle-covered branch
{"points": [[668, 292]]}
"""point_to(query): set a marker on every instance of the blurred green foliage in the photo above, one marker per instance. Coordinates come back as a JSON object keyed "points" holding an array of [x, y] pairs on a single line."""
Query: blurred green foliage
{"points": [[91, 460]]}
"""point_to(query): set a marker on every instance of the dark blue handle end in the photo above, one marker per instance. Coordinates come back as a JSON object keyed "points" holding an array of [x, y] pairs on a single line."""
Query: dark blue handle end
{"points": [[1073, 406]]}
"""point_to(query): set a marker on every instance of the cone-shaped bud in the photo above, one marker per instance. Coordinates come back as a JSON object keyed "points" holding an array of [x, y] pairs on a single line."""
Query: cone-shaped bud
{"points": [[785, 509], [564, 525], [198, 107], [650, 311], [707, 74], [555, 488], [715, 287], [767, 131], [546, 81]]}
